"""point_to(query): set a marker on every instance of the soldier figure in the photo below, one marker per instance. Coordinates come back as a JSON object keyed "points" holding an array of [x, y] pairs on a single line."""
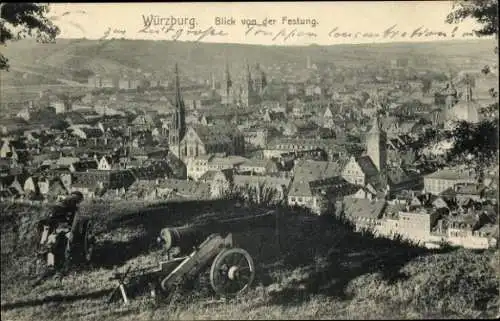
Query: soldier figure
{"points": [[60, 225]]}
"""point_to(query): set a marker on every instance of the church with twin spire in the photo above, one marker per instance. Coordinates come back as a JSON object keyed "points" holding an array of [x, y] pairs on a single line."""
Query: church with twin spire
{"points": [[187, 142], [248, 92]]}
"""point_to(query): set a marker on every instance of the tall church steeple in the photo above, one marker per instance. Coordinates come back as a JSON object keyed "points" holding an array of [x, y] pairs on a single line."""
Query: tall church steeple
{"points": [[247, 93], [227, 89], [260, 81], [227, 78], [178, 97], [468, 90], [376, 145], [249, 76], [178, 124]]}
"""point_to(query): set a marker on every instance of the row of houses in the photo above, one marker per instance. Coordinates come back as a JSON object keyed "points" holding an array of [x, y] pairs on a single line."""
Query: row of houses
{"points": [[426, 219], [125, 83], [88, 176], [318, 185]]}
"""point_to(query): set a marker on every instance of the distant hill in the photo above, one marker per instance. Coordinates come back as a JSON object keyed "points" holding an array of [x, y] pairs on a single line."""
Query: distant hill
{"points": [[77, 58]]}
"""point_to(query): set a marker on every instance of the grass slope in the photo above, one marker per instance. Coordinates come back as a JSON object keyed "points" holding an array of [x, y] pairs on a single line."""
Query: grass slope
{"points": [[160, 56], [319, 269]]}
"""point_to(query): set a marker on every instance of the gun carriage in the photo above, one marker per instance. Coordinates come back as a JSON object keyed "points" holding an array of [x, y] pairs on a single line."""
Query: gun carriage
{"points": [[77, 250], [64, 237], [231, 270]]}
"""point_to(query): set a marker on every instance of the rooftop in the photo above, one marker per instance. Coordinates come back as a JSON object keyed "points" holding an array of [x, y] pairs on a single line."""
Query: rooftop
{"points": [[365, 208], [229, 160], [186, 188], [242, 180], [308, 170], [367, 166], [216, 134], [454, 173]]}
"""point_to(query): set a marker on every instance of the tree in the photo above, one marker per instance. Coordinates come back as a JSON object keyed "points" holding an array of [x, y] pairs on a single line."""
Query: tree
{"points": [[60, 124], [483, 11], [477, 144], [21, 20]]}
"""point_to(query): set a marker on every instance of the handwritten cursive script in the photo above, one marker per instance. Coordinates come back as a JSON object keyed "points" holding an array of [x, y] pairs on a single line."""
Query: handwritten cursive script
{"points": [[177, 33], [115, 31], [394, 32], [284, 34]]}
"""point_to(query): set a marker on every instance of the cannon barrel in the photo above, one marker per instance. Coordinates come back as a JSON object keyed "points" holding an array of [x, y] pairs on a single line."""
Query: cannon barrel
{"points": [[184, 237], [188, 237]]}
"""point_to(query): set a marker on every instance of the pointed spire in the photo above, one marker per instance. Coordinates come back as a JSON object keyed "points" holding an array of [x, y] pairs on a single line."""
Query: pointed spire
{"points": [[179, 105], [249, 75], [227, 77], [176, 76], [468, 90], [375, 126], [178, 97]]}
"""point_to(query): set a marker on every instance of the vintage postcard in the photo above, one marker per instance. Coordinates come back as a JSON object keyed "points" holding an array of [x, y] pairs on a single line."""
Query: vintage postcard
{"points": [[262, 160]]}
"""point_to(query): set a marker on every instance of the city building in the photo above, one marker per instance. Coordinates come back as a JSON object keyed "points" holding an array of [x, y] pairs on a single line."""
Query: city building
{"points": [[445, 178], [228, 91], [319, 195], [177, 128], [376, 146], [249, 95], [466, 109]]}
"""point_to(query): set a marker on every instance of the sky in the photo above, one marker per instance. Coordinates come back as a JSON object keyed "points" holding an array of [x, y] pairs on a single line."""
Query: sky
{"points": [[279, 23]]}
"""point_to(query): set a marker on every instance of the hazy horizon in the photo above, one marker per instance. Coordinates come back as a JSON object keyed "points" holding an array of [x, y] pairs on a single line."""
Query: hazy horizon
{"points": [[482, 39]]}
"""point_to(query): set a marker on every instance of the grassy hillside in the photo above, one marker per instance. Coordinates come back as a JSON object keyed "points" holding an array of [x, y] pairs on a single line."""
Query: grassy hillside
{"points": [[36, 67], [18, 79], [319, 269], [202, 58]]}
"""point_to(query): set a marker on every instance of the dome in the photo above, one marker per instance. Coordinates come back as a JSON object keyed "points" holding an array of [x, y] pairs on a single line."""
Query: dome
{"points": [[465, 111]]}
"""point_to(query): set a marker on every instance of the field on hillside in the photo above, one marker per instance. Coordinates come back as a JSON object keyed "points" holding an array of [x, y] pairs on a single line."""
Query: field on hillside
{"points": [[113, 56], [319, 269], [69, 62]]}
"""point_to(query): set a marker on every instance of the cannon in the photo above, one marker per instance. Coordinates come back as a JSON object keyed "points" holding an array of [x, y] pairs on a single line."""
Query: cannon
{"points": [[232, 269], [183, 238], [56, 247], [64, 238]]}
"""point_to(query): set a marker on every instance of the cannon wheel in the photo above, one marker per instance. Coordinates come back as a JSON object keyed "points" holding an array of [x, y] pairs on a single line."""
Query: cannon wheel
{"points": [[83, 241], [88, 243], [232, 272]]}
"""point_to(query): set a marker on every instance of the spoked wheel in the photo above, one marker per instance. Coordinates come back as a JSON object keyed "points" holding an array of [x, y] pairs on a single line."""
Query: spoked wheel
{"points": [[82, 246], [89, 249], [88, 244], [232, 272]]}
